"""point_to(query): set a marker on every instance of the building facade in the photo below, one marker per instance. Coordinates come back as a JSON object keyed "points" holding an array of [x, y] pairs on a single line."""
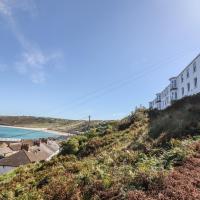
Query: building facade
{"points": [[187, 83]]}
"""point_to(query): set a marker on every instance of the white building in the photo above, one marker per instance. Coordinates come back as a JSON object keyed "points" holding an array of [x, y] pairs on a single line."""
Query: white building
{"points": [[187, 83]]}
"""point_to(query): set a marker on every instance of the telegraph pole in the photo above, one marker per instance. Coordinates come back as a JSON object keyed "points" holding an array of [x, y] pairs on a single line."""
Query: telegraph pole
{"points": [[89, 120]]}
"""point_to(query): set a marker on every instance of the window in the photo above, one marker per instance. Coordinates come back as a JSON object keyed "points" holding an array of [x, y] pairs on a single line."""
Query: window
{"points": [[188, 87], [195, 82], [182, 91], [182, 79], [175, 95], [194, 67], [188, 73]]}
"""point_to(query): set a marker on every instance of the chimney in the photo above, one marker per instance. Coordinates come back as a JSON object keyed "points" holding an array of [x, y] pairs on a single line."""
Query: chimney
{"points": [[43, 140], [37, 143], [25, 147]]}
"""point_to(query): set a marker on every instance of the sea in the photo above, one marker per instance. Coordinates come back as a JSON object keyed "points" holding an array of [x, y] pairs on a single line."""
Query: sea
{"points": [[6, 132]]}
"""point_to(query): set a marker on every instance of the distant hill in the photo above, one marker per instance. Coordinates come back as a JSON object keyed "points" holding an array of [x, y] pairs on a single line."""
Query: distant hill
{"points": [[149, 155], [63, 125]]}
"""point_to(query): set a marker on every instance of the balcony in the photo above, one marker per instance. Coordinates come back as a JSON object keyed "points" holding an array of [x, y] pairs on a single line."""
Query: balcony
{"points": [[158, 100], [173, 87]]}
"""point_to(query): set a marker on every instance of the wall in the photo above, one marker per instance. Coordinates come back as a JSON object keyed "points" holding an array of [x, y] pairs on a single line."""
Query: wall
{"points": [[167, 95], [189, 80], [5, 169]]}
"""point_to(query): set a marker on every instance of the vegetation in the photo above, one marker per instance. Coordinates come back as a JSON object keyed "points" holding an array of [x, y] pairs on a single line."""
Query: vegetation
{"points": [[137, 158], [63, 125]]}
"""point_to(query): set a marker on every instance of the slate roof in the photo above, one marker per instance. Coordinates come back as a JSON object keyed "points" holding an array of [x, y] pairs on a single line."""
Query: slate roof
{"points": [[15, 146], [17, 159], [35, 154], [5, 150]]}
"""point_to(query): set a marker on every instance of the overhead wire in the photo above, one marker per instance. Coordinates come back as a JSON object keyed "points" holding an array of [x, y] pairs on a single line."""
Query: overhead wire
{"points": [[113, 86]]}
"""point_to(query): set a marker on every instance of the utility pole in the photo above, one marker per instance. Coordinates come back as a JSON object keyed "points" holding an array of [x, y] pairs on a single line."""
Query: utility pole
{"points": [[89, 119]]}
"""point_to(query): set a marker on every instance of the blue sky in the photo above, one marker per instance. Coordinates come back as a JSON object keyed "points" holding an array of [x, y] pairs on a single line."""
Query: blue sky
{"points": [[72, 58]]}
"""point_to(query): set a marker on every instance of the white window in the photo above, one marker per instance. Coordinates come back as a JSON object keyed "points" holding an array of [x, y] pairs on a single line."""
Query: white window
{"points": [[188, 73], [182, 79], [188, 87], [195, 82], [182, 91], [194, 67], [175, 95]]}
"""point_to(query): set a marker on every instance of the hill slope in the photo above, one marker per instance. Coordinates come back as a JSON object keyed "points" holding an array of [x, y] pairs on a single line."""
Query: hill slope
{"points": [[56, 124], [140, 157]]}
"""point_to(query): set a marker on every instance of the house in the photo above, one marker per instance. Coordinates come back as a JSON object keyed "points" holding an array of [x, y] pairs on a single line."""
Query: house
{"points": [[20, 158], [15, 146], [40, 151], [187, 83], [5, 150]]}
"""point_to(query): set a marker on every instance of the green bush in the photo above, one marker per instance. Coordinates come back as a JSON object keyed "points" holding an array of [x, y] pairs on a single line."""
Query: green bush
{"points": [[140, 116], [73, 145]]}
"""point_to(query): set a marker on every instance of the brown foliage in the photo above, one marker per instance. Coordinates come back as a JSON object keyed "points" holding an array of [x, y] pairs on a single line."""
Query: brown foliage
{"points": [[62, 190], [181, 184]]}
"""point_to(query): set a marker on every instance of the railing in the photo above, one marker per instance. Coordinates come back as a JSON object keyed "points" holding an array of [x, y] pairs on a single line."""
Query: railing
{"points": [[158, 99], [173, 87]]}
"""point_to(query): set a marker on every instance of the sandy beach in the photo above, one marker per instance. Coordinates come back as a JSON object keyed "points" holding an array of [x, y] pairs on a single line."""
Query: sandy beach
{"points": [[39, 129]]}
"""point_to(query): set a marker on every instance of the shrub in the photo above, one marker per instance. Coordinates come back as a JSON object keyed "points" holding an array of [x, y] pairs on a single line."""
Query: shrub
{"points": [[70, 147], [73, 145], [139, 117], [178, 121], [174, 157]]}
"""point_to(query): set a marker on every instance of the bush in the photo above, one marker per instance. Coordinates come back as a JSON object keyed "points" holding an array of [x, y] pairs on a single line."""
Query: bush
{"points": [[178, 121], [73, 145], [174, 157], [139, 117]]}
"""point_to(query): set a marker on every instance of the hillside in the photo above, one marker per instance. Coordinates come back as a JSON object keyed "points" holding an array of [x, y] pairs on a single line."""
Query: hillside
{"points": [[56, 124], [151, 155]]}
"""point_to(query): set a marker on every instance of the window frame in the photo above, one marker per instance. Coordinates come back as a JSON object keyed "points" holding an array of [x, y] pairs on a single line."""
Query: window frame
{"points": [[194, 67], [188, 73], [183, 91], [188, 87], [182, 78], [195, 82]]}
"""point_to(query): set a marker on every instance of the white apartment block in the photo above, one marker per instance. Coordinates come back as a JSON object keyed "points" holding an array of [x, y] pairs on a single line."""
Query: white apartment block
{"points": [[187, 83]]}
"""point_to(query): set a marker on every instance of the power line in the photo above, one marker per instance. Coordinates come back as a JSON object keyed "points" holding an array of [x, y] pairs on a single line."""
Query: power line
{"points": [[117, 84]]}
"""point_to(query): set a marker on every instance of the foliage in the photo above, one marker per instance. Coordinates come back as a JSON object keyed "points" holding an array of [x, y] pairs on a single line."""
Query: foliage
{"points": [[114, 162], [178, 121]]}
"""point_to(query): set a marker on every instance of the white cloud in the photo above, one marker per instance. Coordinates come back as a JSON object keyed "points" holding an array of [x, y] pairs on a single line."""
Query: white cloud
{"points": [[33, 62], [4, 9], [8, 6]]}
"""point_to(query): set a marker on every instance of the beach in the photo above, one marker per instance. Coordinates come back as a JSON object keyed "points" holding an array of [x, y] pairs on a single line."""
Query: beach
{"points": [[38, 129]]}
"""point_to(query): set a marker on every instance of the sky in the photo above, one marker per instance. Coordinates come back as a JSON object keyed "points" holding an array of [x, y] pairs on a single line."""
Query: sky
{"points": [[104, 58]]}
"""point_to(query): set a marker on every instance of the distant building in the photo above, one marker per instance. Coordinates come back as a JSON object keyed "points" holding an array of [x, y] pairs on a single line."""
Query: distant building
{"points": [[25, 153], [187, 83], [20, 158]]}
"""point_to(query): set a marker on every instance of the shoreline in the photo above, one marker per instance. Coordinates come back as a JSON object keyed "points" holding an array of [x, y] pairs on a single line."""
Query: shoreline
{"points": [[38, 129]]}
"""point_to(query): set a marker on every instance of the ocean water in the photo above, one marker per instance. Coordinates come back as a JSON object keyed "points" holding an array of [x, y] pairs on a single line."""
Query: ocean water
{"points": [[6, 132]]}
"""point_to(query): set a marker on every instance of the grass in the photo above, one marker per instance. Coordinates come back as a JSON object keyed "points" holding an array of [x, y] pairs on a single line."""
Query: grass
{"points": [[114, 161], [56, 124]]}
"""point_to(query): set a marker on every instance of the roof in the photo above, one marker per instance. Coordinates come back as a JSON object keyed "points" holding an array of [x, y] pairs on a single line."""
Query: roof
{"points": [[24, 157], [38, 155], [35, 154], [3, 145], [29, 142], [15, 160], [15, 146], [189, 64], [5, 150]]}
